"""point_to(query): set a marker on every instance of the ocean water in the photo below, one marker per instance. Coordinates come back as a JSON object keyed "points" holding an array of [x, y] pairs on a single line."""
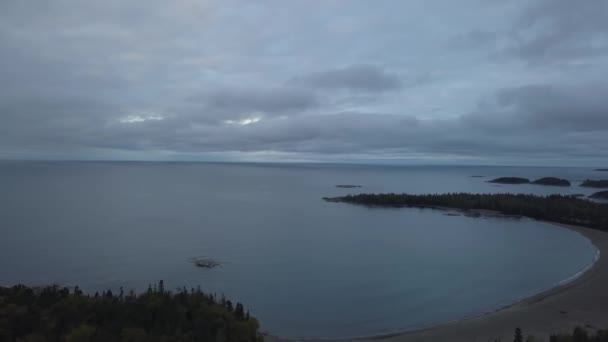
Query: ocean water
{"points": [[304, 267]]}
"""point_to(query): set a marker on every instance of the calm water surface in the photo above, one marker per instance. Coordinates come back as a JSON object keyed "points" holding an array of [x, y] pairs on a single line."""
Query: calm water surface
{"points": [[304, 267]]}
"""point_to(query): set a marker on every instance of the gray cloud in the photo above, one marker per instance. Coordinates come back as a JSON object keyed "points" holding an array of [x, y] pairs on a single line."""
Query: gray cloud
{"points": [[571, 108], [547, 32], [206, 79], [561, 108], [273, 101], [367, 78], [554, 30]]}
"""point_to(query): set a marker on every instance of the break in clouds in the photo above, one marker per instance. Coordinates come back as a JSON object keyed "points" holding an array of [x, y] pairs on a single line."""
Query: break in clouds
{"points": [[470, 81]]}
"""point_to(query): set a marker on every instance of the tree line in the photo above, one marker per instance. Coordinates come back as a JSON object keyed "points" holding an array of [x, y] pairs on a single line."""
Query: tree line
{"points": [[578, 334], [58, 314], [555, 208]]}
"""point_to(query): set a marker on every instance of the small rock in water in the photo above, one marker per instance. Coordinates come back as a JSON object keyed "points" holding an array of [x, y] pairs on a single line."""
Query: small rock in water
{"points": [[205, 262]]}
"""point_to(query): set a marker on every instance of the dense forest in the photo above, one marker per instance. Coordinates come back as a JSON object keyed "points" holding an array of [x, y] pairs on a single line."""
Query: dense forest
{"points": [[578, 335], [55, 313], [556, 208]]}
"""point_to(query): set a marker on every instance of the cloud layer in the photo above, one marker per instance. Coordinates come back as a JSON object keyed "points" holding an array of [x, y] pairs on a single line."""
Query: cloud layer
{"points": [[419, 81]]}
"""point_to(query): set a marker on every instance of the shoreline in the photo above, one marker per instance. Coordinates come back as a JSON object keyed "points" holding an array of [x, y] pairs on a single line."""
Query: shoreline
{"points": [[579, 300]]}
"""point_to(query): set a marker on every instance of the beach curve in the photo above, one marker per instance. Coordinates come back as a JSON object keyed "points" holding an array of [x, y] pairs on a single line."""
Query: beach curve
{"points": [[579, 300]]}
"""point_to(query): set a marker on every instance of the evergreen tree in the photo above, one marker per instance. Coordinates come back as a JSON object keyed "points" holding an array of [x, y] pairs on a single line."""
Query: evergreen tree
{"points": [[239, 311], [579, 335], [518, 336]]}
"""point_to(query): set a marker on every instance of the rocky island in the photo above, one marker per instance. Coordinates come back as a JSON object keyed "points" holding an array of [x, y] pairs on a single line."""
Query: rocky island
{"points": [[595, 183], [510, 180], [205, 262], [348, 186], [552, 181]]}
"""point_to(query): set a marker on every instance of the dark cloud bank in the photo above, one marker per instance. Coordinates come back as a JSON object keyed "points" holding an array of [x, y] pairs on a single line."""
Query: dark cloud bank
{"points": [[185, 81]]}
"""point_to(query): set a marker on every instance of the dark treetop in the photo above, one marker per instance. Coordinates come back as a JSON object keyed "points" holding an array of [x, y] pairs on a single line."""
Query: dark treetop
{"points": [[58, 314], [556, 208], [510, 180], [578, 335]]}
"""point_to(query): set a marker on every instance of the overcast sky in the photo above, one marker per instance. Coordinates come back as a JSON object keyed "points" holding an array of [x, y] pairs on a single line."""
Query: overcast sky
{"points": [[417, 81]]}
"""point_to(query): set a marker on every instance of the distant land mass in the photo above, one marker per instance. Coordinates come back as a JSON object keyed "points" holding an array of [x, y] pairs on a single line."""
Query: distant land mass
{"points": [[552, 181], [348, 186], [601, 169], [600, 195], [595, 183], [554, 208], [510, 180]]}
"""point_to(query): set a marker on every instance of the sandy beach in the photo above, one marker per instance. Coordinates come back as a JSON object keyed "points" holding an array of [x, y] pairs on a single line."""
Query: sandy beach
{"points": [[581, 302]]}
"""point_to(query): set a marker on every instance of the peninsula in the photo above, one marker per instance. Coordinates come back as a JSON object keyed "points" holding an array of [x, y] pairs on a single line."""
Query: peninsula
{"points": [[555, 208], [595, 183], [600, 195]]}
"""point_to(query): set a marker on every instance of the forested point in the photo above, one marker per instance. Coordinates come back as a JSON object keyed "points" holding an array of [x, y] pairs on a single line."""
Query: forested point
{"points": [[595, 183], [56, 314], [555, 208], [600, 195]]}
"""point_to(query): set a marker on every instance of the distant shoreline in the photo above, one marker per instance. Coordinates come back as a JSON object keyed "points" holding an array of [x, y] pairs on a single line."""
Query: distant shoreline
{"points": [[575, 301]]}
